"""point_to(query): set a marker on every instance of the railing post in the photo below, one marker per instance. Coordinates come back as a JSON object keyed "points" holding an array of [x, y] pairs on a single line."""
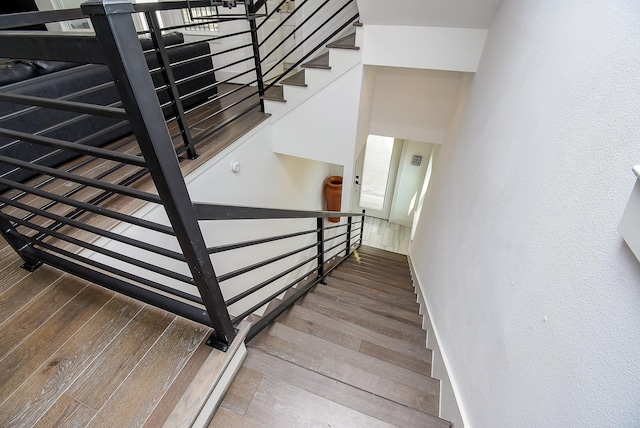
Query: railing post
{"points": [[346, 254], [169, 78], [361, 228], [251, 10], [117, 37], [18, 243], [321, 249]]}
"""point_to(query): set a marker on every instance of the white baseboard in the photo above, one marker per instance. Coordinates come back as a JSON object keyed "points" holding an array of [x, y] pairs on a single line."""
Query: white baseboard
{"points": [[450, 409]]}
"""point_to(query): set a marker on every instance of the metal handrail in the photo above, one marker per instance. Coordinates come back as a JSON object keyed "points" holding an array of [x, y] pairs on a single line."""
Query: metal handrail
{"points": [[46, 232]]}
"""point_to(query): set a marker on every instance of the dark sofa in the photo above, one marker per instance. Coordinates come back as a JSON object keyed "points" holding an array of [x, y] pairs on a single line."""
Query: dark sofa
{"points": [[84, 83]]}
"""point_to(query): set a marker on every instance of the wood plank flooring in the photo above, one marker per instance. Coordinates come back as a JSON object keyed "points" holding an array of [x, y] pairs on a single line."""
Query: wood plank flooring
{"points": [[381, 234], [75, 354], [349, 354]]}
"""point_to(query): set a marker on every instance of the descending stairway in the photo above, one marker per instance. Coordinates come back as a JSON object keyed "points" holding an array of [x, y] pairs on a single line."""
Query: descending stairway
{"points": [[350, 353]]}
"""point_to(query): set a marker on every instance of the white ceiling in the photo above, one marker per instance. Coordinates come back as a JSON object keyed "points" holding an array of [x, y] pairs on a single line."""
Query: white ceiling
{"points": [[429, 13]]}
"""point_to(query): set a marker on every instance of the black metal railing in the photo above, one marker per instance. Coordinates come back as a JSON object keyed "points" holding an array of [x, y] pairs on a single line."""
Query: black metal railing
{"points": [[320, 22], [99, 139]]}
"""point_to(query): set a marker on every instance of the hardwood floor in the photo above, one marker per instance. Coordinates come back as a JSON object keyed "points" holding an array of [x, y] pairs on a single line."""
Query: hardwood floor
{"points": [[351, 353], [75, 354], [381, 234]]}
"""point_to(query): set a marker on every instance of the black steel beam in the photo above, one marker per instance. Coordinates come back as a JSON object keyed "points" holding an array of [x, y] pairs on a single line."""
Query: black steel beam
{"points": [[114, 28]]}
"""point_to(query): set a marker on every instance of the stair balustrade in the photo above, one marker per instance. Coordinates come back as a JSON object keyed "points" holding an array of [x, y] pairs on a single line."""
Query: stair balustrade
{"points": [[67, 199]]}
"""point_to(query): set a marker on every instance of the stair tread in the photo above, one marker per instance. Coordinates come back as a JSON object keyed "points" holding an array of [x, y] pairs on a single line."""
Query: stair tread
{"points": [[274, 93], [277, 403], [346, 42], [399, 278], [354, 398], [369, 265], [382, 253], [321, 61], [369, 280], [368, 304], [297, 79], [400, 299], [375, 322], [362, 371], [412, 357]]}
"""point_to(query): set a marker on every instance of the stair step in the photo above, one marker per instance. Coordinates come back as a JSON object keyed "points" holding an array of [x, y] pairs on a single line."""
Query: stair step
{"points": [[368, 280], [321, 61], [347, 42], [399, 299], [274, 93], [375, 306], [395, 351], [362, 371], [295, 80], [377, 252], [393, 273], [375, 322], [371, 268], [351, 397]]}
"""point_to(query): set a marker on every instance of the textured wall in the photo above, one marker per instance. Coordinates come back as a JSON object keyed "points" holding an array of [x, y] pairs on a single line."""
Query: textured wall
{"points": [[534, 294]]}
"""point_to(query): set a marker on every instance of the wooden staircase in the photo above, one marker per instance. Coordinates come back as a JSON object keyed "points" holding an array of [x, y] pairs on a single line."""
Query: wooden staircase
{"points": [[350, 353], [277, 92]]}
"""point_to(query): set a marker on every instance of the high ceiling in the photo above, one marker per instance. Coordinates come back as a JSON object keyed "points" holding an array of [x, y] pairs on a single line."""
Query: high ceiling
{"points": [[429, 13]]}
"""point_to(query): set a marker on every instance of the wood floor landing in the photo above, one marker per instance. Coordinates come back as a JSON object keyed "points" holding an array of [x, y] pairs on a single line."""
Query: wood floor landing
{"points": [[73, 354], [349, 354]]}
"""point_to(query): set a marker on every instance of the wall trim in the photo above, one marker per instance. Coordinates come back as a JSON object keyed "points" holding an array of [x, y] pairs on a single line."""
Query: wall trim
{"points": [[451, 409]]}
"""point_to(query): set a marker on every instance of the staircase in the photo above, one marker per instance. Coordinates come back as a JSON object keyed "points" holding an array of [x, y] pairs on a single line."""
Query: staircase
{"points": [[349, 353]]}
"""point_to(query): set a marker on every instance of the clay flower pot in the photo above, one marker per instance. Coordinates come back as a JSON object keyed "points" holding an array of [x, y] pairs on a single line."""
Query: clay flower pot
{"points": [[333, 195]]}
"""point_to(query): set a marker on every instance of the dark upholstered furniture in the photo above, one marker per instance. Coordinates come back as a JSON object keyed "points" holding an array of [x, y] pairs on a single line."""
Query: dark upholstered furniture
{"points": [[84, 83]]}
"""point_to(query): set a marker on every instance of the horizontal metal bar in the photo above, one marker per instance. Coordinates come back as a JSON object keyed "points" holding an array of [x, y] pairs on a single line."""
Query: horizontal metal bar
{"points": [[336, 226], [263, 284], [170, 5], [72, 95], [79, 165], [219, 97], [99, 250], [123, 190], [109, 281], [271, 297], [331, 238], [210, 131], [231, 212], [267, 318], [24, 19], [67, 46], [254, 266], [341, 243], [214, 85], [308, 54], [98, 110], [92, 229], [91, 208], [74, 147], [209, 39], [222, 110], [275, 10], [228, 247]]}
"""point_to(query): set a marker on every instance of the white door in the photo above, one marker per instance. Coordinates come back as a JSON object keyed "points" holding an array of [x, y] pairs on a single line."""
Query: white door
{"points": [[273, 61], [380, 167]]}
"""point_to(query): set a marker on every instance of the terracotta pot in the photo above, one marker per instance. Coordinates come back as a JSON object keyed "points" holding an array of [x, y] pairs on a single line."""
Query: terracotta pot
{"points": [[333, 195]]}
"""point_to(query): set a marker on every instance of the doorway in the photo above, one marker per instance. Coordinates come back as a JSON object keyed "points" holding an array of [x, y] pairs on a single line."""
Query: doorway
{"points": [[379, 170]]}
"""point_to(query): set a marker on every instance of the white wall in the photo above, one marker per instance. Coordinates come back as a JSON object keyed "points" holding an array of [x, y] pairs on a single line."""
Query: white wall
{"points": [[436, 48], [413, 104], [409, 181], [534, 294]]}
